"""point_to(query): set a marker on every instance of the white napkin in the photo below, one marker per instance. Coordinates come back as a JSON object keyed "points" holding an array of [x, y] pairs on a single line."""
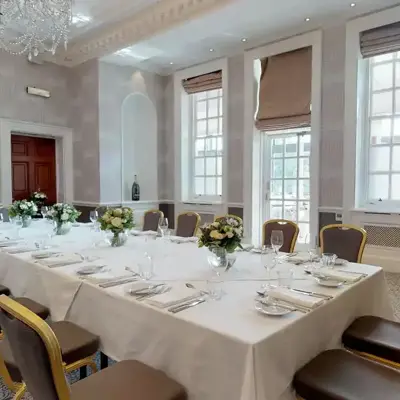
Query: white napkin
{"points": [[136, 232], [298, 258], [139, 286], [9, 243], [295, 298], [54, 262], [175, 296], [18, 250], [180, 239], [338, 275]]}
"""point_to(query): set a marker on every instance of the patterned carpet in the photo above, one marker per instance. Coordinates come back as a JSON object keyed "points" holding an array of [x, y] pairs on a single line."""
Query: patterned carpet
{"points": [[393, 281]]}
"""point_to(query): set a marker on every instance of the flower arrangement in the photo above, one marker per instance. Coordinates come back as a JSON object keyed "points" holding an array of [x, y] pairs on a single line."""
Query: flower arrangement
{"points": [[117, 220], [62, 213], [22, 208], [38, 197], [225, 233]]}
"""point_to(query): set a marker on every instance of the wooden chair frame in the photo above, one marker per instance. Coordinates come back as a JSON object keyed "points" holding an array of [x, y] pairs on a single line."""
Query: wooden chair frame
{"points": [[58, 367], [346, 226], [283, 221]]}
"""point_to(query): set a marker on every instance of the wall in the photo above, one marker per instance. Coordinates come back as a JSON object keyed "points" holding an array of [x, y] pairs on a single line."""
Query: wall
{"points": [[115, 84]]}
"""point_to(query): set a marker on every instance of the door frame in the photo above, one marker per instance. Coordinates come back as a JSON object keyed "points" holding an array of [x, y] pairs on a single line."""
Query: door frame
{"points": [[64, 156]]}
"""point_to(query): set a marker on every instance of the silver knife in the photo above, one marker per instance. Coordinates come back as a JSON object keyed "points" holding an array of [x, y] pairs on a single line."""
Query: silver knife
{"points": [[186, 306], [113, 283], [313, 294]]}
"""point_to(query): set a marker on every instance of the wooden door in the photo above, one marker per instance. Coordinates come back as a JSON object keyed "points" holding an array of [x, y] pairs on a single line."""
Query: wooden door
{"points": [[33, 162]]}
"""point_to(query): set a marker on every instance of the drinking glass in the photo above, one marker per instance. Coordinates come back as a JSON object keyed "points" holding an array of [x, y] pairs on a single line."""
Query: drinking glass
{"points": [[146, 267], [328, 259], [276, 241], [93, 216], [285, 277], [163, 225], [268, 262], [44, 211]]}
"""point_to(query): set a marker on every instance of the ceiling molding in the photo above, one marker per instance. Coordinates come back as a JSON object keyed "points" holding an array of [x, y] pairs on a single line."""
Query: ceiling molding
{"points": [[153, 20]]}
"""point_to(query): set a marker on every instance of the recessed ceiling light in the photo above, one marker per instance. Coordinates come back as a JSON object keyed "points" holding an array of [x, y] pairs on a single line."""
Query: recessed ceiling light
{"points": [[171, 63], [211, 50], [244, 40], [352, 4], [307, 19]]}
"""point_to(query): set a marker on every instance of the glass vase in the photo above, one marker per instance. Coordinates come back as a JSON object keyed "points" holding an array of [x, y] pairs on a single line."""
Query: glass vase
{"points": [[118, 239], [26, 221], [219, 259], [62, 228]]}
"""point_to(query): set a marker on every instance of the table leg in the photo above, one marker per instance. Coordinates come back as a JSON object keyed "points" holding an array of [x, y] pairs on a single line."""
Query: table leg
{"points": [[103, 361], [83, 372]]}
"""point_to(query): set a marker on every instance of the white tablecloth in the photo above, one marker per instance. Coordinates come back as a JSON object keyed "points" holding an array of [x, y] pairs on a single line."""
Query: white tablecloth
{"points": [[219, 350]]}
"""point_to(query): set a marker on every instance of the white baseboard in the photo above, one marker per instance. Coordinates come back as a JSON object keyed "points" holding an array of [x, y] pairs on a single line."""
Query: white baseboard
{"points": [[385, 257]]}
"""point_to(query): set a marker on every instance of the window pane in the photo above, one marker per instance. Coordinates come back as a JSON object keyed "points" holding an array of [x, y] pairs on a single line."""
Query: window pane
{"points": [[395, 187], [397, 101], [378, 187], [211, 147], [277, 148], [304, 211], [220, 144], [200, 96], [290, 189], [219, 166], [305, 145], [211, 166], [213, 108], [213, 93], [396, 130], [383, 57], [382, 103], [398, 74], [291, 147], [304, 189], [276, 189], [199, 166], [304, 164], [220, 106], [221, 128], [199, 186], [304, 233], [276, 211], [213, 126], [291, 168], [201, 128], [289, 210], [199, 147], [396, 158], [380, 131], [211, 188], [277, 168], [202, 109], [382, 76], [379, 158], [219, 186]]}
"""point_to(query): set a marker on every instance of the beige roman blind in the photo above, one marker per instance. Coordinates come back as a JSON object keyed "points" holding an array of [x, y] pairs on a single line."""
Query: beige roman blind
{"points": [[285, 91], [381, 40], [202, 83]]}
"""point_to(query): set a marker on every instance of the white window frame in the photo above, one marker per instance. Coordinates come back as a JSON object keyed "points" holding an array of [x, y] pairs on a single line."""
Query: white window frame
{"points": [[182, 130]]}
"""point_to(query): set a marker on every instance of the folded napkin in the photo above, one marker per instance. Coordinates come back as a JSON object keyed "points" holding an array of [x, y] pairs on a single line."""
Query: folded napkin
{"points": [[295, 298], [18, 250], [136, 232], [179, 239], [175, 296], [139, 287], [9, 243], [54, 262], [338, 275], [298, 258]]}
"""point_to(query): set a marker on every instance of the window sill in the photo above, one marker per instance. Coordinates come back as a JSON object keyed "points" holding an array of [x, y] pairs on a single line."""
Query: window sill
{"points": [[371, 210], [202, 203]]}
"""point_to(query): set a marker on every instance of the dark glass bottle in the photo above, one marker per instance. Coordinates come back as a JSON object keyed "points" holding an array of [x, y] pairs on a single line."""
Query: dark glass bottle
{"points": [[135, 190]]}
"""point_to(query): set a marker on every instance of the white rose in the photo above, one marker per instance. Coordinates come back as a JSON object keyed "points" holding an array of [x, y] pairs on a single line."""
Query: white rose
{"points": [[64, 217], [23, 206]]}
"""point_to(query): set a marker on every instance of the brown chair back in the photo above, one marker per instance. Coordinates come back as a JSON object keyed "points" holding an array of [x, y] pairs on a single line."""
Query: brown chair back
{"points": [[290, 232], [151, 220], [187, 224], [238, 219], [346, 241], [36, 351], [101, 210]]}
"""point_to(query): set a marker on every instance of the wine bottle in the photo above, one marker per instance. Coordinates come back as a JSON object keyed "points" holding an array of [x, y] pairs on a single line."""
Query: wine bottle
{"points": [[135, 190]]}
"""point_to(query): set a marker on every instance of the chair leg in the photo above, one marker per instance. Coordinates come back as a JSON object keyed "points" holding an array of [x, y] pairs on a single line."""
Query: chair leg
{"points": [[85, 362], [20, 392], [11, 385]]}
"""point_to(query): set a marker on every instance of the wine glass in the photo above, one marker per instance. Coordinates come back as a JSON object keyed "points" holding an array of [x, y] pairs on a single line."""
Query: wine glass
{"points": [[94, 215], [44, 210], [268, 262], [163, 225], [276, 241]]}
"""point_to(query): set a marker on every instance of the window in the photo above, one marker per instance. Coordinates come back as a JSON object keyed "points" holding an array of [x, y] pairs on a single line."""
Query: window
{"points": [[381, 133], [287, 177], [206, 144]]}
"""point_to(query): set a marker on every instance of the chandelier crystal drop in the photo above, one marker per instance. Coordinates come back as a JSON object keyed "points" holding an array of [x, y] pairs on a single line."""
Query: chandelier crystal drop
{"points": [[34, 26]]}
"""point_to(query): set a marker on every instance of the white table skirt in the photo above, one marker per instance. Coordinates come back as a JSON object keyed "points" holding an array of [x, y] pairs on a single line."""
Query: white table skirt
{"points": [[220, 350]]}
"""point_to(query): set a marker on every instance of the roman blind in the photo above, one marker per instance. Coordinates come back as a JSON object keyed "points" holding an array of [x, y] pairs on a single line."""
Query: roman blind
{"points": [[202, 83], [381, 40]]}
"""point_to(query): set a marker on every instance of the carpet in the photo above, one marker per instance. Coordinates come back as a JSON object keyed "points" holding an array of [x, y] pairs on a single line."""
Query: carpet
{"points": [[393, 281]]}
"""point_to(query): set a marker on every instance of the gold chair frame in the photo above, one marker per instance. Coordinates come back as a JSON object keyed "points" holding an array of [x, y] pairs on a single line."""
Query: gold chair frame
{"points": [[152, 210], [198, 218], [346, 226], [284, 221], [58, 367]]}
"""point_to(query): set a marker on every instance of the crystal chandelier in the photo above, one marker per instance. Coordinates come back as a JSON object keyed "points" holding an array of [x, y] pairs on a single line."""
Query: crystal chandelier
{"points": [[34, 26]]}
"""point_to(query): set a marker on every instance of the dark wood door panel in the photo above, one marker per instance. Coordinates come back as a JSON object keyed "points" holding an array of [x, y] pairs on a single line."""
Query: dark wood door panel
{"points": [[20, 180]]}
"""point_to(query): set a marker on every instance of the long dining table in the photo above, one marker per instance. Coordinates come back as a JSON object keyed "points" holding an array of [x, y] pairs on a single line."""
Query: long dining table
{"points": [[220, 349]]}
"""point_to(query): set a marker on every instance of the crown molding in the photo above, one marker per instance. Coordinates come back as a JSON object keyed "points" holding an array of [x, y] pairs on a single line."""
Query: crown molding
{"points": [[153, 20]]}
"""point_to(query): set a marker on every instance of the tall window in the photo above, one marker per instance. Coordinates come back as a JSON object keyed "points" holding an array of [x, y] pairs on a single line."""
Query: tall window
{"points": [[206, 145], [382, 130]]}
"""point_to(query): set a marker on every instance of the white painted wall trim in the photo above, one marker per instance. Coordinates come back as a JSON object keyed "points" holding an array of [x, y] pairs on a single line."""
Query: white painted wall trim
{"points": [[330, 209], [221, 64], [313, 39], [64, 156], [353, 56]]}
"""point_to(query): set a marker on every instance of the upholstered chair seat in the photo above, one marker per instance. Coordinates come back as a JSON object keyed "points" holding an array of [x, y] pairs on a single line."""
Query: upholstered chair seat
{"points": [[39, 309], [341, 375]]}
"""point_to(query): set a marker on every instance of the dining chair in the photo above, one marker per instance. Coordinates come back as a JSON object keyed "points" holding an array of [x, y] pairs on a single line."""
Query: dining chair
{"points": [[78, 348], [38, 353], [101, 210], [187, 224], [346, 241], [151, 219], [339, 374], [290, 233], [375, 338]]}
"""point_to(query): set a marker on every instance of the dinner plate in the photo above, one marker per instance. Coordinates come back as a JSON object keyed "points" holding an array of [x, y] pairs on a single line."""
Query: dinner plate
{"points": [[44, 254], [89, 269], [271, 309], [332, 283]]}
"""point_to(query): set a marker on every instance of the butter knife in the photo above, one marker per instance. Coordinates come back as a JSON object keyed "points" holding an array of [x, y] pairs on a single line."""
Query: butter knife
{"points": [[113, 283], [183, 307], [313, 294]]}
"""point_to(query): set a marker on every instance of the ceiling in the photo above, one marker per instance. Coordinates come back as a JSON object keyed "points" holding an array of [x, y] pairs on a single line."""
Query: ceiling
{"points": [[166, 35]]}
